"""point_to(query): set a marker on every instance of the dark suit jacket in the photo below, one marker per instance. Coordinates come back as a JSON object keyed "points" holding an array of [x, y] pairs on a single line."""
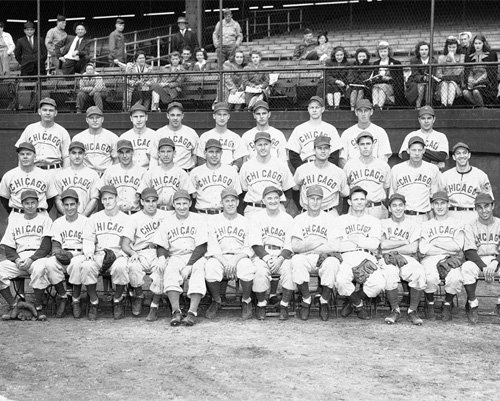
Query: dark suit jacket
{"points": [[83, 50], [189, 39], [27, 56]]}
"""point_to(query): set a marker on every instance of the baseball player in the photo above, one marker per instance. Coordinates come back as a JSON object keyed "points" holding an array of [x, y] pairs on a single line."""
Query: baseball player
{"points": [[126, 177], [416, 180], [301, 142], [270, 240], [314, 233], [184, 138], [211, 178], [27, 243], [182, 243], [261, 114], [23, 177], [370, 173], [50, 139], [83, 180], [436, 143], [137, 243], [381, 145], [233, 147], [167, 178], [67, 235], [103, 231], [441, 236], [400, 238], [360, 239], [229, 254], [140, 135], [262, 171], [463, 183], [322, 172], [100, 143]]}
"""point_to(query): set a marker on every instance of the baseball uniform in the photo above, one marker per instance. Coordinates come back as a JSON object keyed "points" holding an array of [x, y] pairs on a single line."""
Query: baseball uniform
{"points": [[381, 145], [301, 140], [140, 143], [233, 147], [126, 181], [435, 141], [100, 149], [185, 140], [84, 181], [278, 142]]}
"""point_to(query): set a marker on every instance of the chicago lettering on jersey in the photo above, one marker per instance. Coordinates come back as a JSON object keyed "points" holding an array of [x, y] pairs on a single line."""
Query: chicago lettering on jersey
{"points": [[166, 181], [430, 144], [125, 179], [460, 188], [257, 175], [71, 234], [75, 181], [487, 239], [230, 231], [185, 142], [316, 230], [179, 232], [367, 174], [149, 228], [103, 147], [357, 228], [23, 183], [28, 229], [324, 180], [141, 143], [275, 232], [398, 232], [105, 227], [311, 136], [408, 179], [442, 230], [45, 137], [227, 143], [213, 179]]}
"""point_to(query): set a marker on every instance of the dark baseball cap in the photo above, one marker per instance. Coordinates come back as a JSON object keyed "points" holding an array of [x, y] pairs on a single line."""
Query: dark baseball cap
{"points": [[76, 144], [138, 107], [221, 106], [110, 189], [271, 189], [483, 197], [396, 196], [316, 99], [364, 134], [260, 104], [322, 140], [48, 100], [460, 145], [356, 189], [148, 193], [29, 194], [173, 105], [69, 193], [124, 144], [94, 110], [262, 135], [416, 139], [213, 143], [166, 142], [181, 194], [26, 146], [426, 110], [364, 103], [229, 191], [440, 195], [314, 190]]}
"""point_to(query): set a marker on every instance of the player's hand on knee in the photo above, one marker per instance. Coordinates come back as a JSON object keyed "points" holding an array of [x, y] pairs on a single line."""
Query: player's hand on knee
{"points": [[489, 271], [134, 258], [26, 264]]}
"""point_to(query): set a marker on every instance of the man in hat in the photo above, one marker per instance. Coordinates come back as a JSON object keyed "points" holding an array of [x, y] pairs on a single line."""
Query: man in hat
{"points": [[54, 36], [301, 141], [116, 44], [185, 36], [91, 89], [463, 183], [227, 35], [28, 50], [74, 51], [306, 50], [137, 243], [140, 135], [441, 237]]}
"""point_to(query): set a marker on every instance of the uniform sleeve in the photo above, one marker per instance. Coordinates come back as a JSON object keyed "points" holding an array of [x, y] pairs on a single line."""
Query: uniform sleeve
{"points": [[298, 177], [415, 233], [161, 236], [51, 187], [240, 149], [288, 180], [22, 138], [344, 186], [485, 185], [201, 236], [47, 227], [129, 230], [281, 150], [344, 152], [56, 232], [89, 232], [213, 247], [236, 179], [387, 179], [384, 147], [293, 143], [443, 145], [404, 146], [459, 236], [200, 148], [436, 184], [424, 240], [394, 183], [4, 187], [297, 229], [185, 182], [95, 186], [336, 143], [469, 238], [145, 182], [242, 179], [255, 234], [153, 147], [114, 151], [8, 238]]}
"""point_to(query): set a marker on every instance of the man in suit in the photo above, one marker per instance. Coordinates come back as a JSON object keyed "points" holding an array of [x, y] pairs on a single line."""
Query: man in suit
{"points": [[26, 51], [184, 38], [74, 51]]}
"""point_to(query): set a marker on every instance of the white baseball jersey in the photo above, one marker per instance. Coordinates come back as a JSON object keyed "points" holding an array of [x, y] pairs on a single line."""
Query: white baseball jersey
{"points": [[278, 142], [381, 145], [209, 184], [185, 140], [84, 181], [105, 231], [301, 140], [353, 226], [406, 230], [485, 239], [181, 237], [417, 184], [51, 144], [462, 188], [228, 236], [127, 182], [16, 181], [24, 234], [166, 181], [436, 141], [322, 227], [141, 143], [271, 230], [100, 149], [233, 147], [141, 228], [255, 176], [69, 233], [374, 177], [332, 180], [441, 231]]}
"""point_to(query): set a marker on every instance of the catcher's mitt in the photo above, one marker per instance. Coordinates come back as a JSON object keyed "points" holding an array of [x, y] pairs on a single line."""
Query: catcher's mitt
{"points": [[107, 261], [445, 265], [362, 271], [394, 258], [26, 311], [323, 256], [63, 257]]}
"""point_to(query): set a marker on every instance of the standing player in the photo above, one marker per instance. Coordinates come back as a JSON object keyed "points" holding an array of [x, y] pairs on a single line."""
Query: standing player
{"points": [[182, 238], [167, 178], [140, 135], [436, 143], [100, 143], [137, 243], [83, 180], [441, 237], [261, 114], [381, 145], [185, 139], [370, 173], [463, 183], [301, 141], [104, 230], [233, 148], [125, 177], [328, 176], [416, 180], [399, 248]]}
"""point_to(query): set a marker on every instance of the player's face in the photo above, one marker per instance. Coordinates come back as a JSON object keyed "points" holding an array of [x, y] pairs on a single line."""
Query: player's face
{"points": [[30, 205], [365, 146], [166, 154], [76, 156], [272, 201], [175, 117], [315, 110], [26, 157], [221, 118], [95, 121], [314, 202], [416, 152], [261, 116], [230, 205], [485, 210], [47, 113], [358, 201], [181, 207], [322, 152], [440, 207], [149, 204], [213, 156], [70, 207], [125, 156], [263, 147], [462, 157], [426, 122], [108, 201], [364, 114], [139, 119], [397, 208]]}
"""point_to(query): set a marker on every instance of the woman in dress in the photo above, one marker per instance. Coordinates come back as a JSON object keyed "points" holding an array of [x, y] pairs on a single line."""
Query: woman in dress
{"points": [[419, 79], [324, 48], [234, 91], [358, 77], [201, 63], [450, 74], [336, 79], [138, 85]]}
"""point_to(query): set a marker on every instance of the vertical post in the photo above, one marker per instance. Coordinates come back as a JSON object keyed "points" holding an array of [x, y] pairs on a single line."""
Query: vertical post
{"points": [[219, 58], [300, 18], [158, 55], [199, 18], [288, 21], [431, 54], [268, 25], [39, 86], [254, 23], [95, 50], [135, 42], [247, 28], [170, 38]]}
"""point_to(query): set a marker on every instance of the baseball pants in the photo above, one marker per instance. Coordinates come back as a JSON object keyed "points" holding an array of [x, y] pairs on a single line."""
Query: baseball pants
{"points": [[56, 271], [215, 270], [262, 280], [471, 272], [413, 272], [452, 282], [37, 272], [146, 264], [305, 264], [373, 286], [176, 272], [118, 270]]}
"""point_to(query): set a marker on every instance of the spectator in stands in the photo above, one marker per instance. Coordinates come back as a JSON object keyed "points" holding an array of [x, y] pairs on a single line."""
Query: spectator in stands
{"points": [[358, 77], [138, 85], [480, 80], [450, 77], [117, 44], [336, 80], [231, 37], [168, 86], [201, 63], [465, 38], [74, 51], [307, 49], [91, 90], [387, 82], [419, 79], [185, 37], [234, 91], [255, 83], [54, 36], [324, 48], [26, 51], [6, 49], [187, 59]]}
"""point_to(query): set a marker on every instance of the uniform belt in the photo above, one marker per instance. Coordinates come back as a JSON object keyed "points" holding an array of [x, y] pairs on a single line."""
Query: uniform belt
{"points": [[458, 208], [15, 209], [362, 250], [131, 212], [273, 247], [259, 204], [26, 250], [374, 204], [72, 249], [50, 166], [413, 213], [325, 210], [209, 211]]}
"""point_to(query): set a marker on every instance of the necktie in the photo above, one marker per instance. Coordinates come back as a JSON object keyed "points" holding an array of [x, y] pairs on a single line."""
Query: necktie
{"points": [[31, 41]]}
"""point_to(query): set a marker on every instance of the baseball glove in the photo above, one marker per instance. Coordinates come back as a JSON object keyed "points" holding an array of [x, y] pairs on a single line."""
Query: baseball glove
{"points": [[394, 258], [362, 271], [445, 265], [107, 261], [323, 256], [63, 257]]}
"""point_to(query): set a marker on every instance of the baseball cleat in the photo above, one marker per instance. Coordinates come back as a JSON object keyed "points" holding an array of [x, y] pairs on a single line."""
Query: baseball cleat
{"points": [[347, 309], [176, 318], [76, 309], [152, 315], [260, 312], [92, 315], [189, 320], [446, 313], [246, 310], [413, 318], [497, 310], [430, 313], [137, 306], [283, 312], [324, 311], [305, 309], [393, 317], [362, 313], [61, 308], [212, 310], [118, 310], [472, 313]]}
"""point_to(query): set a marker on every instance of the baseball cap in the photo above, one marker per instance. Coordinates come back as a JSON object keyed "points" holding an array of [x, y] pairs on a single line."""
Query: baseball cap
{"points": [[29, 193], [76, 144], [182, 19], [171, 105], [262, 135], [426, 110], [138, 107], [364, 134], [229, 191], [356, 189], [27, 146], [314, 190], [181, 194], [460, 145], [94, 110], [322, 140], [48, 100], [483, 198], [124, 144], [227, 11], [415, 139], [316, 99], [166, 142], [260, 104], [270, 189], [213, 143], [61, 17], [29, 25], [396, 196], [364, 103], [120, 21], [69, 193], [148, 193], [221, 106], [110, 189], [440, 195]]}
